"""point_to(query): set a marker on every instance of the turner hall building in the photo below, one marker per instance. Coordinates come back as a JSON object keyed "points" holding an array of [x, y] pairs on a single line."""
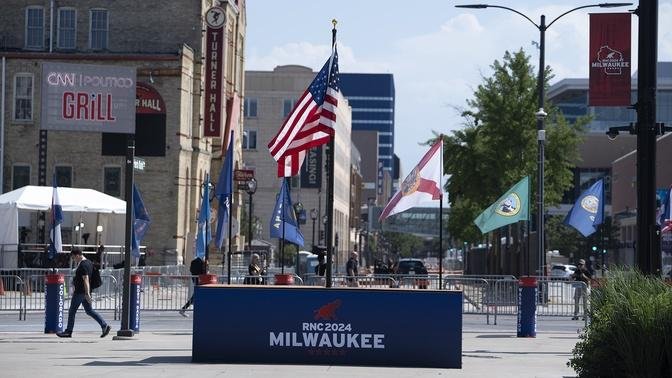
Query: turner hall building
{"points": [[166, 46]]}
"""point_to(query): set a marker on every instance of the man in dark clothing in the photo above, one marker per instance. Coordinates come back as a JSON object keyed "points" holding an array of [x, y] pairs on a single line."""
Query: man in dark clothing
{"points": [[351, 269], [82, 295], [196, 268], [581, 291]]}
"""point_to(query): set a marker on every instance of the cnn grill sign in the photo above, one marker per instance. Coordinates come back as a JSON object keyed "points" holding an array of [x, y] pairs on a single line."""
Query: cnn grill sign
{"points": [[79, 97]]}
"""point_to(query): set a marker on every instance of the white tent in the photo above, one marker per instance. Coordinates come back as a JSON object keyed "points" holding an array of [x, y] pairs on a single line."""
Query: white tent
{"points": [[38, 198]]}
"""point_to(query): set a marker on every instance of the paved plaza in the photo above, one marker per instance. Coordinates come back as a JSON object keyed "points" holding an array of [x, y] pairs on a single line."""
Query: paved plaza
{"points": [[163, 348]]}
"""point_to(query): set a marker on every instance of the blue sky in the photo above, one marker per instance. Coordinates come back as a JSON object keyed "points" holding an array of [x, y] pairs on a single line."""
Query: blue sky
{"points": [[437, 53]]}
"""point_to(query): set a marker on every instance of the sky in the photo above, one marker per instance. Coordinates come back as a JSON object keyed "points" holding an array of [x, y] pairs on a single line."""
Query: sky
{"points": [[437, 53]]}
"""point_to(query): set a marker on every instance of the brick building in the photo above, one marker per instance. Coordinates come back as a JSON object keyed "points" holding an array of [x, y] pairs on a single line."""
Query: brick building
{"points": [[164, 42]]}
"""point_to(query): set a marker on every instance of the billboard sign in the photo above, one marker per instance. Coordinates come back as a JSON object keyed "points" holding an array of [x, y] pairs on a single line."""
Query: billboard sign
{"points": [[215, 18], [82, 97], [609, 78]]}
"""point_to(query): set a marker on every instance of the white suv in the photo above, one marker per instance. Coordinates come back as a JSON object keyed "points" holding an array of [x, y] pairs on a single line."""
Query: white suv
{"points": [[562, 270]]}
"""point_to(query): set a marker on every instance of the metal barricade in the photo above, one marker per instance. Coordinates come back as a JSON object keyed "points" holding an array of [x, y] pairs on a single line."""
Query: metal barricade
{"points": [[12, 297], [473, 290], [563, 298]]}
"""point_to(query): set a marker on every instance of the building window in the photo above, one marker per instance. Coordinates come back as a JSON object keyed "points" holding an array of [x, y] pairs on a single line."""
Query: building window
{"points": [[250, 139], [67, 28], [23, 97], [34, 28], [20, 176], [287, 107], [64, 176], [99, 29], [250, 107], [112, 181]]}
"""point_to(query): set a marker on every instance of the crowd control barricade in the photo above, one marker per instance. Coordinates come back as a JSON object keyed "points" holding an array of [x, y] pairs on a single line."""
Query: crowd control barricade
{"points": [[473, 290], [11, 294], [563, 297]]}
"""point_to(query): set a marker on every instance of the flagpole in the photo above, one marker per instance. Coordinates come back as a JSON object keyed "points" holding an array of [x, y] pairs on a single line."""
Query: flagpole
{"points": [[441, 218], [329, 228], [282, 244], [230, 254]]}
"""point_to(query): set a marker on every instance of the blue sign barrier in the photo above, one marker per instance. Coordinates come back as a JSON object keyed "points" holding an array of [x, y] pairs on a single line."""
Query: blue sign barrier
{"points": [[53, 308], [321, 326], [136, 281], [527, 307]]}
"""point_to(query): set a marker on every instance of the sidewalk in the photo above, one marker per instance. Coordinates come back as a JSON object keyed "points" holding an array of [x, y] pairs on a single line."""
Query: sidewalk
{"points": [[488, 351]]}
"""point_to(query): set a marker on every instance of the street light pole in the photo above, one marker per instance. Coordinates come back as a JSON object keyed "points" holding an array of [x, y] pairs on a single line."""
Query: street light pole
{"points": [[541, 114], [251, 189], [313, 216]]}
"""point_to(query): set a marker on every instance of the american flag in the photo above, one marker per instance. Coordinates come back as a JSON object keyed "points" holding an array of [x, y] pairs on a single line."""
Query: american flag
{"points": [[311, 123]]}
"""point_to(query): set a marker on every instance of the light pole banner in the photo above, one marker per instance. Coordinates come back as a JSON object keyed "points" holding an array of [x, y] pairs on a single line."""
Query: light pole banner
{"points": [[81, 97], [610, 60]]}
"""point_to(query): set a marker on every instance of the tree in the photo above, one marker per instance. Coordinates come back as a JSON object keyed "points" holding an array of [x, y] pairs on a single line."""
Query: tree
{"points": [[498, 145], [402, 244]]}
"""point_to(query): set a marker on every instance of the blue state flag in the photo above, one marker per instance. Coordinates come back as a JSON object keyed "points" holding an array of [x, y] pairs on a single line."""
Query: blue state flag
{"points": [[588, 210], [224, 191], [56, 244], [283, 220], [141, 222], [204, 235]]}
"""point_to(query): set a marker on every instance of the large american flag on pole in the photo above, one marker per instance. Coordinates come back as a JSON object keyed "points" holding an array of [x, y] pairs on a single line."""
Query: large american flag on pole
{"points": [[311, 123]]}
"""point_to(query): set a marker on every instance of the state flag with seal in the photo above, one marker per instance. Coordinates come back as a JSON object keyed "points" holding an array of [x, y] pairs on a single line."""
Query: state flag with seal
{"points": [[421, 185], [512, 207], [588, 210]]}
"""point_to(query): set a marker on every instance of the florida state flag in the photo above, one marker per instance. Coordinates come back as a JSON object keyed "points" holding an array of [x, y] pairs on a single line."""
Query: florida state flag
{"points": [[609, 59]]}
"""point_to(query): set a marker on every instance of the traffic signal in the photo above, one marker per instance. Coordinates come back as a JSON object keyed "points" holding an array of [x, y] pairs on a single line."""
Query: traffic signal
{"points": [[594, 248], [604, 251]]}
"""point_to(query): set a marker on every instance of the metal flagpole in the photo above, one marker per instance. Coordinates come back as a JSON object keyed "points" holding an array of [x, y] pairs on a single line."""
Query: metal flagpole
{"points": [[441, 218], [282, 244], [230, 254], [329, 227]]}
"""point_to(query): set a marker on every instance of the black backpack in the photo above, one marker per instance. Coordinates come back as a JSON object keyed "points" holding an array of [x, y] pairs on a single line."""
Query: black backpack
{"points": [[95, 280], [196, 267]]}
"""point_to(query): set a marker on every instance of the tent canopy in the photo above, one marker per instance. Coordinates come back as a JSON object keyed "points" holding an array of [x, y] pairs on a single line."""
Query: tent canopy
{"points": [[38, 198], [72, 199]]}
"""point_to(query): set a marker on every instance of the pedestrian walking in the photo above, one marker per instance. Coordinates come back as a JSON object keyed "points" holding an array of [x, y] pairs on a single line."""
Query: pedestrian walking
{"points": [[351, 270], [581, 292], [196, 268], [82, 295]]}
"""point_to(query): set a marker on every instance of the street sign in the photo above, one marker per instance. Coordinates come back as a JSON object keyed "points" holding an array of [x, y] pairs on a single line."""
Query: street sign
{"points": [[138, 164], [243, 174]]}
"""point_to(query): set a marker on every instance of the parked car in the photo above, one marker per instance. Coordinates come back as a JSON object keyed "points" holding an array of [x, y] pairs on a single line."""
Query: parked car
{"points": [[413, 267], [562, 270]]}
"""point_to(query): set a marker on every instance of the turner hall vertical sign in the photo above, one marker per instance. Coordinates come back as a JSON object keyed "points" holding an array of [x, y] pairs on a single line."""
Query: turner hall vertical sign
{"points": [[215, 19]]}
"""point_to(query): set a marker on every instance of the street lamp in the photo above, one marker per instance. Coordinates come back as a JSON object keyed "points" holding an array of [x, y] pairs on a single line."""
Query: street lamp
{"points": [[251, 189], [541, 114], [313, 217], [325, 220]]}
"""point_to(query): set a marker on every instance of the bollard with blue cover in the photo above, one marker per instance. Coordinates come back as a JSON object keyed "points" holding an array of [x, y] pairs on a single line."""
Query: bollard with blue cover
{"points": [[136, 283], [53, 308], [527, 307]]}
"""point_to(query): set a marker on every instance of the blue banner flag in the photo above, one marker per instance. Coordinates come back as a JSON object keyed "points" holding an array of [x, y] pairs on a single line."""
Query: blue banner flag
{"points": [[284, 218], [141, 222], [588, 210], [224, 191], [204, 235], [56, 244]]}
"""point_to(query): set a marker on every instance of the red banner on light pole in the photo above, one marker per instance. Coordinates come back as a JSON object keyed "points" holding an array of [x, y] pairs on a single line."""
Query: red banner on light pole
{"points": [[214, 55], [609, 60]]}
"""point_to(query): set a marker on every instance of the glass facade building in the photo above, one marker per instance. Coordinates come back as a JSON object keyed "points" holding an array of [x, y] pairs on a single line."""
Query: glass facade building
{"points": [[371, 97]]}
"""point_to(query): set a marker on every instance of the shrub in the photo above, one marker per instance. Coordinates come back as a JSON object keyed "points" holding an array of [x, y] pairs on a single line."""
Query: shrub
{"points": [[630, 333]]}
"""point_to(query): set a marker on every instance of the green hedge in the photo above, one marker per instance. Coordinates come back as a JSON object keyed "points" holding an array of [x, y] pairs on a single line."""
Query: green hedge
{"points": [[630, 332]]}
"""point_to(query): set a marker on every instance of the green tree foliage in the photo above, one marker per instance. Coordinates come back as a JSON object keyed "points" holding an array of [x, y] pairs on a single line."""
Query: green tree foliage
{"points": [[402, 244], [498, 145]]}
